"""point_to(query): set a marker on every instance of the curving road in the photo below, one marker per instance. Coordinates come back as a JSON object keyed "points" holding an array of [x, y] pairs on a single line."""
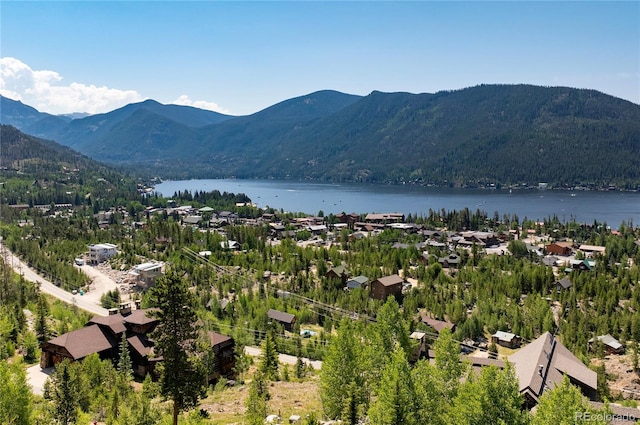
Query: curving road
{"points": [[49, 288]]}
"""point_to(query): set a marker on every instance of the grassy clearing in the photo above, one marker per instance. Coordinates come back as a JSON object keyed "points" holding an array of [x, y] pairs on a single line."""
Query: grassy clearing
{"points": [[227, 407]]}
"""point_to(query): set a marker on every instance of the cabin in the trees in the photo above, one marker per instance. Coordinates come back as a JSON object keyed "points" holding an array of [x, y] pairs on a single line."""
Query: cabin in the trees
{"points": [[358, 282], [387, 286], [564, 284], [611, 345], [224, 359], [506, 339], [285, 319], [338, 272], [437, 325], [450, 261]]}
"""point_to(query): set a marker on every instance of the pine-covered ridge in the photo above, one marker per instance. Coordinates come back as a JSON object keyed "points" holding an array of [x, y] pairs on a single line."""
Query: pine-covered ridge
{"points": [[488, 134]]}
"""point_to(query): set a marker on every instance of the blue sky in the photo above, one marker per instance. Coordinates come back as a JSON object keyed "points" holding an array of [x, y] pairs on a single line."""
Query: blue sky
{"points": [[240, 57]]}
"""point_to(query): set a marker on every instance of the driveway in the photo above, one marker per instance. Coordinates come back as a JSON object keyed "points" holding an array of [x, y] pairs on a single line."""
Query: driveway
{"points": [[36, 377]]}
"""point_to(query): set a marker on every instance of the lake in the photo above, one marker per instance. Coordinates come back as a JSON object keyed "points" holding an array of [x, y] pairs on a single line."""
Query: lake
{"points": [[609, 207]]}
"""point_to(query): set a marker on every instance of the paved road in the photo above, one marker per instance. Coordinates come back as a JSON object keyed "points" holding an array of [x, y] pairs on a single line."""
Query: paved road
{"points": [[49, 288], [284, 358]]}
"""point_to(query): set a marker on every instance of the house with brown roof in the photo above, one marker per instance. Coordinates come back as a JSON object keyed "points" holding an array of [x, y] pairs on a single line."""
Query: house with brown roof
{"points": [[559, 248], [224, 359], [103, 335], [437, 325], [387, 286], [77, 345], [285, 319], [542, 364]]}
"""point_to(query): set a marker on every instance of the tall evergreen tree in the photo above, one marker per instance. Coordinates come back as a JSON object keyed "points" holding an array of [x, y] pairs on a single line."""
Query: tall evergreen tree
{"points": [[256, 402], [42, 314], [269, 364], [175, 337], [65, 396], [124, 362]]}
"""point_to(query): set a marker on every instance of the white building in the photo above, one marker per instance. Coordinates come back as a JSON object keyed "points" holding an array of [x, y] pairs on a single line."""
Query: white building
{"points": [[101, 252]]}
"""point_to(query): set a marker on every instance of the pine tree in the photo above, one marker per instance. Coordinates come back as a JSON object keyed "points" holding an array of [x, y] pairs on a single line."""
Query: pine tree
{"points": [[175, 337], [256, 402], [124, 362], [65, 395], [269, 364], [41, 324]]}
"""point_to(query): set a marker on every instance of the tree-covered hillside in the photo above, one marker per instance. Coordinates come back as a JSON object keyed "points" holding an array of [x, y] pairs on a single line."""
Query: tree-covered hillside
{"points": [[488, 134]]}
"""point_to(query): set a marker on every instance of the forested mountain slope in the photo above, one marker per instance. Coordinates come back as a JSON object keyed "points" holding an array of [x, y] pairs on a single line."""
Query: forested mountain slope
{"points": [[488, 134]]}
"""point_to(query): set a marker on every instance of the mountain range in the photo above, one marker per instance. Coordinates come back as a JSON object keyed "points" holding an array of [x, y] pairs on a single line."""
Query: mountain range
{"points": [[483, 135]]}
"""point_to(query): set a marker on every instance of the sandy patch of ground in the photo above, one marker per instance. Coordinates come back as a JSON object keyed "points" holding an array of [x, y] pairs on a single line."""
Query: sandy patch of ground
{"points": [[105, 279], [624, 381]]}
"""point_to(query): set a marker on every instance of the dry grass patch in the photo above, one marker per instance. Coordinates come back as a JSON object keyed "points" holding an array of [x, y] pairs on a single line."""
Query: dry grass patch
{"points": [[287, 398]]}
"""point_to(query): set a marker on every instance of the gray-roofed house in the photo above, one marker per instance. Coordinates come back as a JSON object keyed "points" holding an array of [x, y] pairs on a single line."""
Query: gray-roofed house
{"points": [[611, 345], [542, 364], [338, 272], [564, 284], [286, 319], [357, 282], [192, 220], [450, 261], [506, 339]]}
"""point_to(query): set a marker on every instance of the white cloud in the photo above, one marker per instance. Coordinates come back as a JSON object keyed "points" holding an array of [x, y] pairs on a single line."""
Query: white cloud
{"points": [[45, 91], [202, 104]]}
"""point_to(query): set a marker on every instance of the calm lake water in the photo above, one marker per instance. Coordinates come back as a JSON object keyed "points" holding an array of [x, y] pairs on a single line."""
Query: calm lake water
{"points": [[583, 206]]}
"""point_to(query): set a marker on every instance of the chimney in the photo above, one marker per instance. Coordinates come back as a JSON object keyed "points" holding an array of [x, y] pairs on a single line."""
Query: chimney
{"points": [[125, 308], [137, 304], [540, 368], [113, 311]]}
